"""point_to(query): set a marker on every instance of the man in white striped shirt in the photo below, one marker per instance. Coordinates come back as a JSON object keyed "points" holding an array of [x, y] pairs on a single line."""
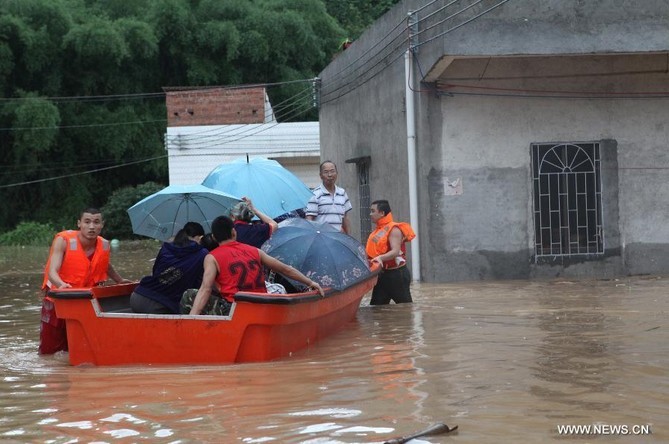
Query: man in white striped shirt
{"points": [[330, 203]]}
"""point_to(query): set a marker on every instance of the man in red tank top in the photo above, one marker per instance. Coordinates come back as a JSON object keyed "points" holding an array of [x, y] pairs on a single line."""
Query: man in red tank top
{"points": [[234, 266]]}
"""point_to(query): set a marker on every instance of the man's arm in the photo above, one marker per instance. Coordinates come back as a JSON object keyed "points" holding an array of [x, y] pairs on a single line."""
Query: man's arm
{"points": [[112, 273], [346, 224], [395, 241], [262, 216], [56, 261], [208, 278], [288, 271], [312, 208]]}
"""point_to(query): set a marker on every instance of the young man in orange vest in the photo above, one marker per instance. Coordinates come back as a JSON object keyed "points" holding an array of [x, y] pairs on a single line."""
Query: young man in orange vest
{"points": [[386, 246], [78, 258]]}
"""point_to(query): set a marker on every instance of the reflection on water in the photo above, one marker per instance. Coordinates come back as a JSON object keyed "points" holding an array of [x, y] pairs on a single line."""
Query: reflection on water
{"points": [[506, 361], [577, 353]]}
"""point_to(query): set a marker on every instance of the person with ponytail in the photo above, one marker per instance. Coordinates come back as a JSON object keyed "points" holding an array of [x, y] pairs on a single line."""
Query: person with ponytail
{"points": [[178, 267]]}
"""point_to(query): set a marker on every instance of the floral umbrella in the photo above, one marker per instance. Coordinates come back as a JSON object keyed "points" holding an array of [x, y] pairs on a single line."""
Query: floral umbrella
{"points": [[325, 255]]}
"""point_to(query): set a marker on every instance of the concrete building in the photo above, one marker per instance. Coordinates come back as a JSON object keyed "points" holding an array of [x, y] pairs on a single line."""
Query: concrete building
{"points": [[208, 127], [540, 140]]}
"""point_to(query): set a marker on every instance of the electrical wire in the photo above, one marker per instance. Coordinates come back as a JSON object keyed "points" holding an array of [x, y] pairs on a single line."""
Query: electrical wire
{"points": [[81, 173], [497, 5], [537, 96], [543, 91], [96, 125], [234, 133], [442, 21], [294, 106], [137, 96], [97, 98], [354, 82], [342, 82]]}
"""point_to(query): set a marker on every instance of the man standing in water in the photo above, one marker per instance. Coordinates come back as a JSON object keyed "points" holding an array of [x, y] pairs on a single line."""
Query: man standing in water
{"points": [[78, 258], [386, 247], [330, 203]]}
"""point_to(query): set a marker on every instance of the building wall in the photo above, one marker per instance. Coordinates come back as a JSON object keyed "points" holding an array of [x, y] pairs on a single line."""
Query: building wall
{"points": [[196, 150], [486, 232], [207, 127], [215, 106]]}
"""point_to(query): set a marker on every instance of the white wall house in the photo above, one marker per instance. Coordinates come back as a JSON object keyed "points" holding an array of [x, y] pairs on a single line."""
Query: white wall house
{"points": [[217, 125], [193, 151]]}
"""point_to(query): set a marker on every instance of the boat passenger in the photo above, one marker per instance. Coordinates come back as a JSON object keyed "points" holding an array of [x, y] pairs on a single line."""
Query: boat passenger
{"points": [[178, 267], [233, 267], [254, 234], [209, 242], [77, 258], [386, 246]]}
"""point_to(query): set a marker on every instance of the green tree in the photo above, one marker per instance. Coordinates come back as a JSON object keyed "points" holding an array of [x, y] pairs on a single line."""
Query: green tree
{"points": [[117, 221], [356, 15], [35, 122], [82, 111]]}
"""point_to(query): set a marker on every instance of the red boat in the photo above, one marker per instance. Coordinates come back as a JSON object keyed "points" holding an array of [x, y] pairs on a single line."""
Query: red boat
{"points": [[102, 330]]}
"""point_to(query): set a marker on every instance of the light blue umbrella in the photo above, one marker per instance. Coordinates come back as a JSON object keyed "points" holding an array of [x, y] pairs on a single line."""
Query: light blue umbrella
{"points": [[162, 214], [273, 189]]}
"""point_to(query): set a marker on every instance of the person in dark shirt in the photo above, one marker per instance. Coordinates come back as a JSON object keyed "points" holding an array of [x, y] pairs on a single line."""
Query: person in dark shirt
{"points": [[249, 232], [178, 267]]}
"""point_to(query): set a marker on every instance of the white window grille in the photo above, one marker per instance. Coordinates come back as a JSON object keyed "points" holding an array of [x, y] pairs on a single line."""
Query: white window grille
{"points": [[567, 199]]}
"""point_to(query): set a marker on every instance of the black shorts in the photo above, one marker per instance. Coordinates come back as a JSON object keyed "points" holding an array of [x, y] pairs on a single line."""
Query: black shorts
{"points": [[393, 285]]}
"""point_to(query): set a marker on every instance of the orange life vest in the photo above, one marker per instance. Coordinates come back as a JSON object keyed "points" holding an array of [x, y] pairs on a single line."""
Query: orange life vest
{"points": [[378, 242], [77, 269]]}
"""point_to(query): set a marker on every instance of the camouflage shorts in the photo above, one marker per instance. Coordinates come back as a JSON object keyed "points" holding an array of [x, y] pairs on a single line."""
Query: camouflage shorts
{"points": [[216, 305]]}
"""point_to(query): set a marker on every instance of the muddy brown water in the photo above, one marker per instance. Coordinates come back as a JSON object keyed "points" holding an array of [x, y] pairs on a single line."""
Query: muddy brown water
{"points": [[507, 361]]}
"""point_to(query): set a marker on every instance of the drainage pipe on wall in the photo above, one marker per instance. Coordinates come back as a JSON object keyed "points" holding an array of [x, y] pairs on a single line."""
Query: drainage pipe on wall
{"points": [[411, 165]]}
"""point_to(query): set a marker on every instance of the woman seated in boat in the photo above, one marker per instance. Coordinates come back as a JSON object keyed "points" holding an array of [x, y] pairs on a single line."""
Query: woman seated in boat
{"points": [[179, 266], [233, 267], [248, 232]]}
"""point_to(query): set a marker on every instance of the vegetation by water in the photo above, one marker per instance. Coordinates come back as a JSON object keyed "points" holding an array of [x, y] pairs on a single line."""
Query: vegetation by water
{"points": [[28, 233]]}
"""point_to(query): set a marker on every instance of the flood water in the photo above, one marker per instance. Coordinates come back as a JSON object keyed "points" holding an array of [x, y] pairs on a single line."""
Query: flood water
{"points": [[507, 361]]}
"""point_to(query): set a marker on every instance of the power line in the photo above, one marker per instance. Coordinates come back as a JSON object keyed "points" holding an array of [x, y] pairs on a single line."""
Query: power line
{"points": [[92, 125], [147, 95], [64, 176], [95, 98], [343, 82], [445, 19], [497, 5], [251, 131]]}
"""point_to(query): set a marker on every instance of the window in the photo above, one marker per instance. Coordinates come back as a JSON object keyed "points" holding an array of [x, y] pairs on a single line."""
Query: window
{"points": [[365, 201], [567, 199]]}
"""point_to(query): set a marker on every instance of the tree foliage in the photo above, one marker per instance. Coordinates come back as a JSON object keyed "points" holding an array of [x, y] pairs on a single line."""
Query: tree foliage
{"points": [[82, 112], [117, 221], [356, 15], [29, 233]]}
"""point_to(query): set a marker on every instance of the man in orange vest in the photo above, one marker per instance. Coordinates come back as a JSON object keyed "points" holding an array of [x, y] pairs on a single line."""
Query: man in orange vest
{"points": [[386, 246], [78, 258]]}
